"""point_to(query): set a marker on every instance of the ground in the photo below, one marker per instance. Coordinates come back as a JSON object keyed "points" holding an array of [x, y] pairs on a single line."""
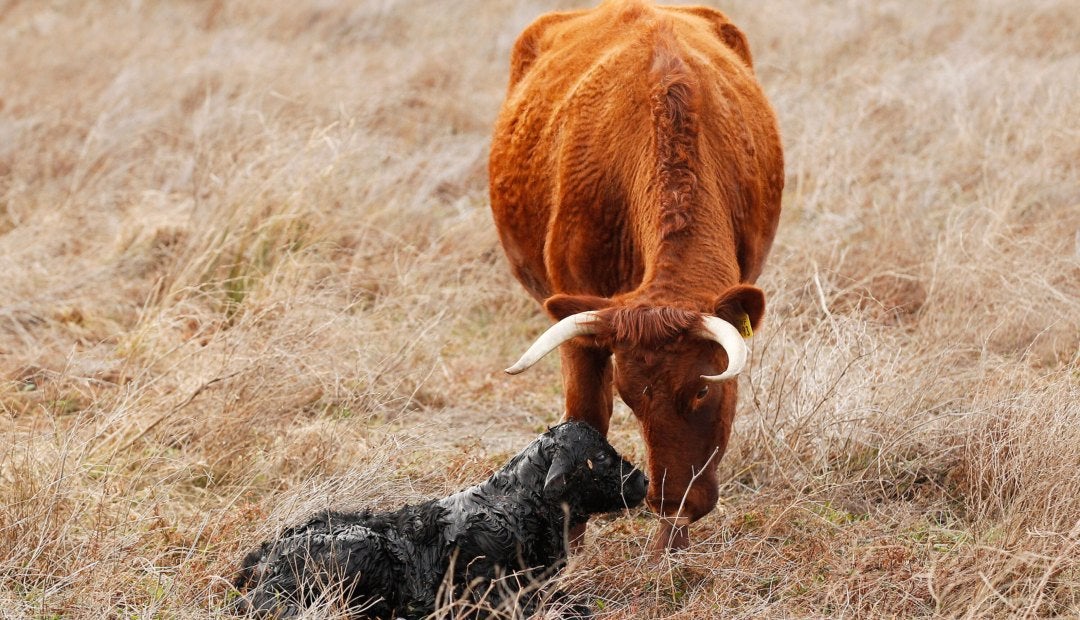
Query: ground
{"points": [[249, 271]]}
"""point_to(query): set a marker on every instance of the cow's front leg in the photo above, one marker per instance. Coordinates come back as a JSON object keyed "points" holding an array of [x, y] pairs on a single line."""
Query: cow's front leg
{"points": [[587, 381]]}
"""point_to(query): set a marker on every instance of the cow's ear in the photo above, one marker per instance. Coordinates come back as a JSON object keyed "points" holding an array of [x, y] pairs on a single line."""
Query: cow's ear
{"points": [[561, 468], [561, 306], [738, 301]]}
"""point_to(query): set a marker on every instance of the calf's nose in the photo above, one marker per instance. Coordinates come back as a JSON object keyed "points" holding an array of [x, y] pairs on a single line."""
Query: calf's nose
{"points": [[634, 488]]}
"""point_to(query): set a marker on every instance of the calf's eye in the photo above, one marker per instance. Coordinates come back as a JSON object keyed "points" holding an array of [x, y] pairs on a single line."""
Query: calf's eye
{"points": [[702, 392]]}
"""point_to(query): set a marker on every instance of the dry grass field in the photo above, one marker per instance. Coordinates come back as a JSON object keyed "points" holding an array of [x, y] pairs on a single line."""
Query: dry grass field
{"points": [[249, 271]]}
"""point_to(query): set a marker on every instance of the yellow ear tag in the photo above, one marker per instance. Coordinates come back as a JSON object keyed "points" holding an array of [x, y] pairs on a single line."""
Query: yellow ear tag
{"points": [[744, 326]]}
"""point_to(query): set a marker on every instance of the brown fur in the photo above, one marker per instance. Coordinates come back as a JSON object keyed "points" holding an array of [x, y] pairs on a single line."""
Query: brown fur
{"points": [[636, 169], [646, 327], [676, 133]]}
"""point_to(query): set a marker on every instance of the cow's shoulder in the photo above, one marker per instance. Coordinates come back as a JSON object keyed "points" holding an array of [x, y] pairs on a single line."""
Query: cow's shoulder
{"points": [[532, 42]]}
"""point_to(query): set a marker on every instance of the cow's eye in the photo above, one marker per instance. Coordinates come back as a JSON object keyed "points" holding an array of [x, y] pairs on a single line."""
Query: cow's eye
{"points": [[600, 457], [702, 392]]}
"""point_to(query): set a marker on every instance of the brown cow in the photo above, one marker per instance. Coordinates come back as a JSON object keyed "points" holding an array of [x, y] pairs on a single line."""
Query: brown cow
{"points": [[636, 173]]}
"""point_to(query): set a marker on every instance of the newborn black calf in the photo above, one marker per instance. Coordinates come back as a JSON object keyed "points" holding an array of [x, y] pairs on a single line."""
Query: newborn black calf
{"points": [[392, 564]]}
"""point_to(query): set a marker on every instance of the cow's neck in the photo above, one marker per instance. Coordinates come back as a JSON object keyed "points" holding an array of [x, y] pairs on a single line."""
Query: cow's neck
{"points": [[517, 487], [519, 482], [689, 272], [523, 479], [511, 498]]}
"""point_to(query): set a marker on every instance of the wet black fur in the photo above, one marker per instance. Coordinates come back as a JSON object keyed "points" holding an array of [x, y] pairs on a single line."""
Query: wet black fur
{"points": [[392, 564]]}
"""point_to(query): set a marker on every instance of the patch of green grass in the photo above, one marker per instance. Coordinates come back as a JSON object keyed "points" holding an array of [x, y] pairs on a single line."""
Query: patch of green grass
{"points": [[837, 516]]}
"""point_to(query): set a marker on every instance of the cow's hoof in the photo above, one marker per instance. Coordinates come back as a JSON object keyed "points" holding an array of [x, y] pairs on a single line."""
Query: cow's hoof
{"points": [[576, 537], [670, 537]]}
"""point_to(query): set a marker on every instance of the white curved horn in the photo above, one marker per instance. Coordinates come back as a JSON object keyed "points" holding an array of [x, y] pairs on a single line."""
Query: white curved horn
{"points": [[725, 334], [580, 324]]}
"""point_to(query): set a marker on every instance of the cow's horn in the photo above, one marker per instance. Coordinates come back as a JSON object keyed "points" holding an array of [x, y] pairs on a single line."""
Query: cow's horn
{"points": [[725, 334], [580, 324]]}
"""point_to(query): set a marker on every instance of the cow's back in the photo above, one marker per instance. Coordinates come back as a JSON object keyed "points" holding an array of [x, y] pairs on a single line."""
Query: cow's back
{"points": [[582, 154]]}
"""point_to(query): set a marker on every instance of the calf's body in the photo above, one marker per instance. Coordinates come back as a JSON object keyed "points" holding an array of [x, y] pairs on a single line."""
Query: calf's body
{"points": [[486, 542]]}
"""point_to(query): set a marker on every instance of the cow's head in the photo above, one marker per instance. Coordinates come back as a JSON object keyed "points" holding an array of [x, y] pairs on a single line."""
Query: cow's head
{"points": [[673, 367]]}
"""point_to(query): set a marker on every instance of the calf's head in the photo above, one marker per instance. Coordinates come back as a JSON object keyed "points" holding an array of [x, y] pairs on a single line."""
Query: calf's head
{"points": [[587, 474]]}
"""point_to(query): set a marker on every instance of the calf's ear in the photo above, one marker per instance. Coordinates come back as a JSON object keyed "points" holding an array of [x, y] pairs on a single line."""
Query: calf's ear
{"points": [[561, 467], [739, 301], [561, 306]]}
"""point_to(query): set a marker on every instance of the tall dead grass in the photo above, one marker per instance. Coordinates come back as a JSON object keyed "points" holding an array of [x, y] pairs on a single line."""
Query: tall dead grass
{"points": [[249, 272]]}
